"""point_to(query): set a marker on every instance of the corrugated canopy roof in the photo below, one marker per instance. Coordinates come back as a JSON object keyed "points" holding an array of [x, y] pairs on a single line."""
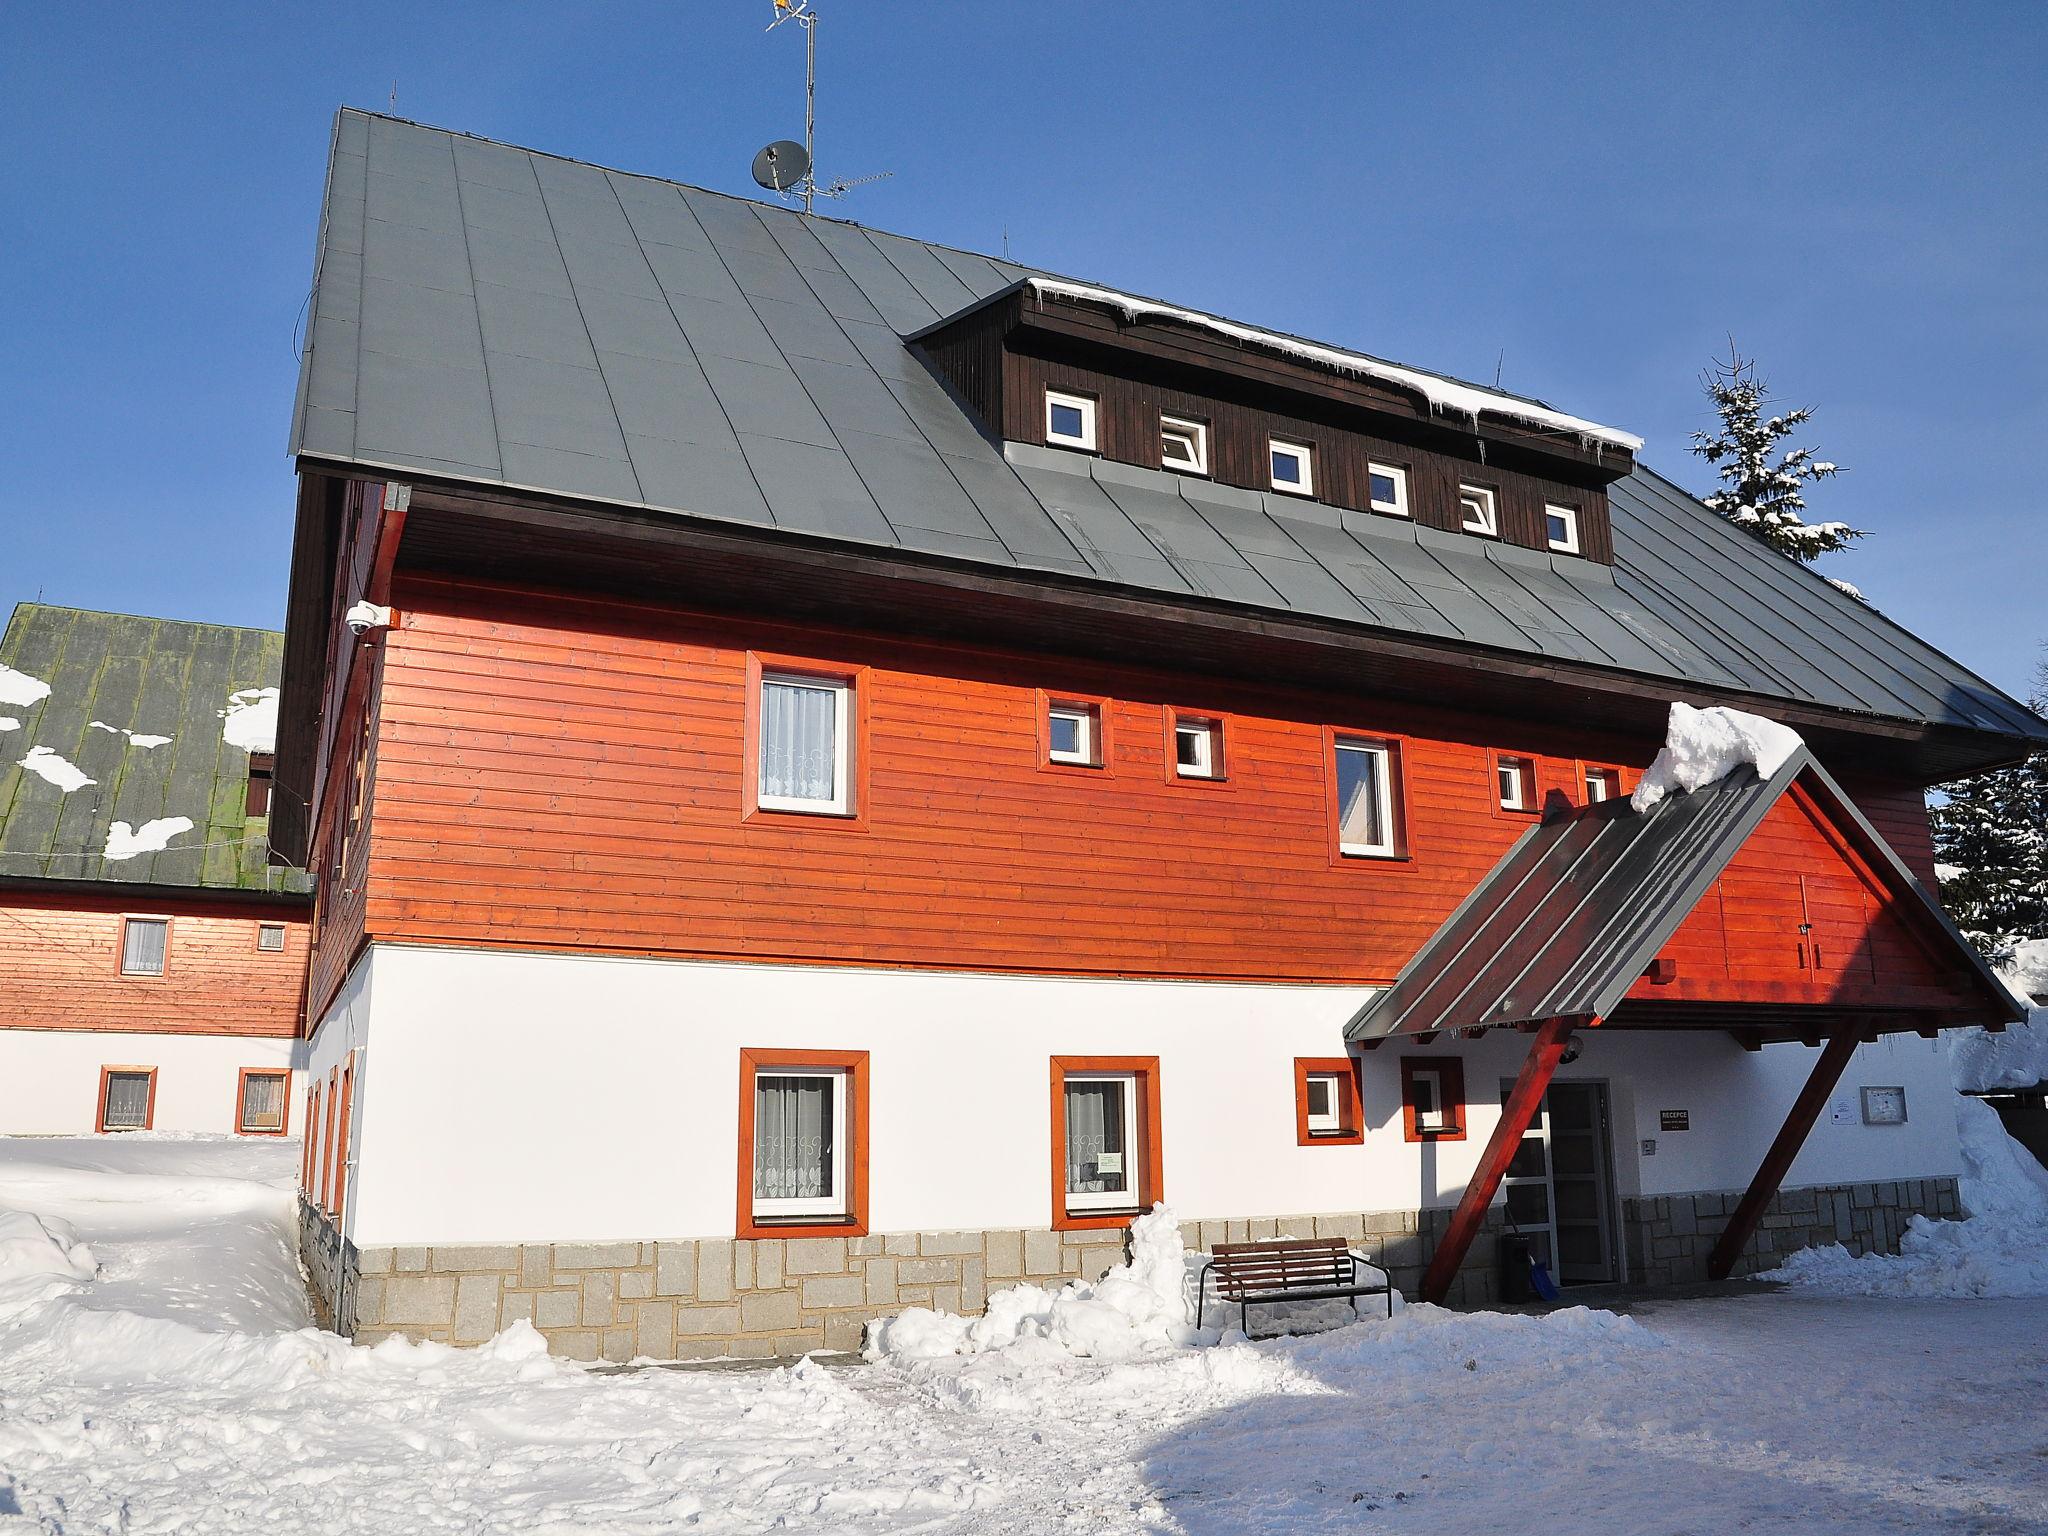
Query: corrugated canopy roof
{"points": [[139, 707], [1573, 914], [507, 318]]}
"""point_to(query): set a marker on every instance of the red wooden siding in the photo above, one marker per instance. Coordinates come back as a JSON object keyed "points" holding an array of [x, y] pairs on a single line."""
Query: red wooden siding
{"points": [[342, 860], [60, 955]]}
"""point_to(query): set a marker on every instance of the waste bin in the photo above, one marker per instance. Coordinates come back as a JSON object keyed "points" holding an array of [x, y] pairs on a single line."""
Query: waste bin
{"points": [[1516, 1257]]}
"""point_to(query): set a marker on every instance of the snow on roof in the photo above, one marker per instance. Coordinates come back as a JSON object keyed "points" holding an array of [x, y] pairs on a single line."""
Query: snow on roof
{"points": [[20, 688], [135, 738], [124, 842], [9, 723], [1704, 746], [1451, 396], [58, 770], [251, 720]]}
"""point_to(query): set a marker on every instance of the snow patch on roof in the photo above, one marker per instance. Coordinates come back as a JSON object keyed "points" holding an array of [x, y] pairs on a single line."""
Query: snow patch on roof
{"points": [[135, 738], [60, 771], [9, 723], [124, 842], [1703, 746], [20, 688], [251, 720], [1447, 395], [2027, 974]]}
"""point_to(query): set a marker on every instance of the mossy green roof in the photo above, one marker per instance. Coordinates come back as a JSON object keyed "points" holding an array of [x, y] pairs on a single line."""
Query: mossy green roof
{"points": [[113, 677]]}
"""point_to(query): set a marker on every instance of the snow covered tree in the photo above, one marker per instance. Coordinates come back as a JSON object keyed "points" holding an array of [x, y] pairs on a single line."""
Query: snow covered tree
{"points": [[1991, 851], [1757, 494]]}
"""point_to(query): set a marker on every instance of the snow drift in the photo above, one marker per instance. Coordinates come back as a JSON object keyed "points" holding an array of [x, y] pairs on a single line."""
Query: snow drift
{"points": [[1704, 746], [250, 720]]}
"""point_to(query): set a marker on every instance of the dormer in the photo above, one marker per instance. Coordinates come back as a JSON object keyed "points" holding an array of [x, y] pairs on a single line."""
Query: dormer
{"points": [[1090, 371]]}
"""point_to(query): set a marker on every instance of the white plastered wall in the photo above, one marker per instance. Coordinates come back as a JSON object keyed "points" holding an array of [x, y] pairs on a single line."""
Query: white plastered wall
{"points": [[517, 1096], [50, 1078]]}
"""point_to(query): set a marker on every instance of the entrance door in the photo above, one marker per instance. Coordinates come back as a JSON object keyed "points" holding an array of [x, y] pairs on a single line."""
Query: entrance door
{"points": [[1560, 1185]]}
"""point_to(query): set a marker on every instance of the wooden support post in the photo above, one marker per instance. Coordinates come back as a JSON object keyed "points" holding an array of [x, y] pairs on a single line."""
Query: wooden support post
{"points": [[1834, 1060], [1515, 1116]]}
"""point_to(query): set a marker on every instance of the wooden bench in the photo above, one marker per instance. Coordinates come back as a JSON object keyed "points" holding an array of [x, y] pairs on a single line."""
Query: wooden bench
{"points": [[1289, 1269]]}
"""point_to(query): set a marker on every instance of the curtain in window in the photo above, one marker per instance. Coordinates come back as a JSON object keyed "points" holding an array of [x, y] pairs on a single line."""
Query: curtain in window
{"points": [[127, 1101], [142, 947], [793, 1134], [263, 1103], [798, 752], [1095, 1125], [1358, 798]]}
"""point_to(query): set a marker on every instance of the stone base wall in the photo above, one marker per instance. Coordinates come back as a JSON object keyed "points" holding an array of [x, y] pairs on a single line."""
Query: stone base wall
{"points": [[711, 1297], [329, 1260], [1670, 1236]]}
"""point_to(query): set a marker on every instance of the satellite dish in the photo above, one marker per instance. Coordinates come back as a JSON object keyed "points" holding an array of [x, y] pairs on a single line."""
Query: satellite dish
{"points": [[782, 165]]}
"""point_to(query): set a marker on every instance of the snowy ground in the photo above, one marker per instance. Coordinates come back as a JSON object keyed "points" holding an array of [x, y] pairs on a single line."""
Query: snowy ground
{"points": [[178, 1391]]}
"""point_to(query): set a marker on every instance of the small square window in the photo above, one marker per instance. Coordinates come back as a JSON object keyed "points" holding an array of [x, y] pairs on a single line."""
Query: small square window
{"points": [[1073, 734], [1293, 467], [1516, 779], [1602, 784], [127, 1098], [1365, 798], [1326, 1107], [1561, 525], [260, 1111], [1477, 510], [1433, 1098], [143, 943], [1069, 420], [806, 749], [1389, 488], [270, 936], [1197, 748], [1184, 445]]}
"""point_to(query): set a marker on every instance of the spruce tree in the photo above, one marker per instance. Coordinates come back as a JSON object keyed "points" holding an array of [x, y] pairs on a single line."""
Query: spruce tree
{"points": [[1991, 839], [1756, 494]]}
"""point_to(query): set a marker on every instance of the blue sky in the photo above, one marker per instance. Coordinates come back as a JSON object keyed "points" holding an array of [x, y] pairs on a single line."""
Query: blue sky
{"points": [[1589, 198]]}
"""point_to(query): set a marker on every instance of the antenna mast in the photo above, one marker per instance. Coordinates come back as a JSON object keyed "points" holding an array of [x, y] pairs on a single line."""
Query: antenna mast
{"points": [[768, 168]]}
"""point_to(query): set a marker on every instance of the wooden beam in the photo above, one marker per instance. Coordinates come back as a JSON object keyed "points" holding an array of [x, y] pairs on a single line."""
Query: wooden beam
{"points": [[1515, 1117], [1827, 1071]]}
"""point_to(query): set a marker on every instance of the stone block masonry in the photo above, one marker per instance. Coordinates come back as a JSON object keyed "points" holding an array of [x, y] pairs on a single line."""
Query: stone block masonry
{"points": [[1670, 1236]]}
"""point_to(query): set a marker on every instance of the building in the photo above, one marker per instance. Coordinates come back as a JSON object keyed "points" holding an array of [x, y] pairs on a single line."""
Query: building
{"points": [[152, 960], [840, 768]]}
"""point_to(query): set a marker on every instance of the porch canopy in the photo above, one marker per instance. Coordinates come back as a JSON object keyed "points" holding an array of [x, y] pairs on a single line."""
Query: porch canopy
{"points": [[1766, 906]]}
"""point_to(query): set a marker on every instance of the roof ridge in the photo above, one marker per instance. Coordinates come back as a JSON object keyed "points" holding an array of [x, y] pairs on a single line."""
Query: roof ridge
{"points": [[25, 604]]}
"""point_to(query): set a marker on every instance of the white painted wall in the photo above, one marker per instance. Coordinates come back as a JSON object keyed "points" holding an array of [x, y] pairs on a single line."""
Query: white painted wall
{"points": [[50, 1078], [509, 1097]]}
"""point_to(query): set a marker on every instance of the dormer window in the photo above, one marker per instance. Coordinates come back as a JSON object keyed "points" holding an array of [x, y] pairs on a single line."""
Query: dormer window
{"points": [[1389, 488], [1293, 467], [1561, 527], [1516, 781], [1069, 420], [1184, 445], [1477, 511]]}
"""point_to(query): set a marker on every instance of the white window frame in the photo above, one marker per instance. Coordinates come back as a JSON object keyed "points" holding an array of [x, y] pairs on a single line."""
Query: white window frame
{"points": [[263, 934], [1385, 786], [164, 965], [1329, 1122], [1601, 784], [1197, 434], [1085, 404], [1303, 454], [840, 801], [1487, 519], [1434, 1118], [1569, 544], [1208, 762], [1089, 717], [833, 1203], [1129, 1197], [1398, 507], [1520, 773]]}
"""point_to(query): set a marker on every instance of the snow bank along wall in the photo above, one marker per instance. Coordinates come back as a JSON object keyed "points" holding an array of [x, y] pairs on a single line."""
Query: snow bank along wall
{"points": [[555, 1137]]}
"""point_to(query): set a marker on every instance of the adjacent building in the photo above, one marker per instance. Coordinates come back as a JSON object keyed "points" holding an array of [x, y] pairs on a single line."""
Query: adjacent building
{"points": [[152, 959], [839, 769]]}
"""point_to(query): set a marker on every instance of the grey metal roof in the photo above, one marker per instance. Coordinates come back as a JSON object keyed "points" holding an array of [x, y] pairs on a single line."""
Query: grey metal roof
{"points": [[113, 677], [508, 318], [1574, 912]]}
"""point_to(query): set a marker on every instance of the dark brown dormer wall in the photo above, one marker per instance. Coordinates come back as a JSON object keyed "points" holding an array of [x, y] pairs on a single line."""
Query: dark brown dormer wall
{"points": [[1002, 358]]}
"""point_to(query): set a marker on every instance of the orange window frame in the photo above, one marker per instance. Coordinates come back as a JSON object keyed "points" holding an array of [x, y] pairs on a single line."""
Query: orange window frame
{"points": [[857, 680], [1152, 1166], [755, 1060], [311, 1159], [1222, 733], [1104, 766], [337, 1192], [1531, 778], [1350, 1107], [242, 1087], [1397, 795], [1585, 771], [1450, 1076], [327, 1141], [99, 1116]]}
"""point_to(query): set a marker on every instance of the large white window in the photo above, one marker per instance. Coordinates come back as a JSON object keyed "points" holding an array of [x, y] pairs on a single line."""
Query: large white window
{"points": [[799, 1143], [1069, 420], [1102, 1152], [1389, 483], [806, 750], [1365, 798], [1184, 445], [1478, 511], [143, 944], [1561, 525], [1293, 467], [1073, 734]]}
